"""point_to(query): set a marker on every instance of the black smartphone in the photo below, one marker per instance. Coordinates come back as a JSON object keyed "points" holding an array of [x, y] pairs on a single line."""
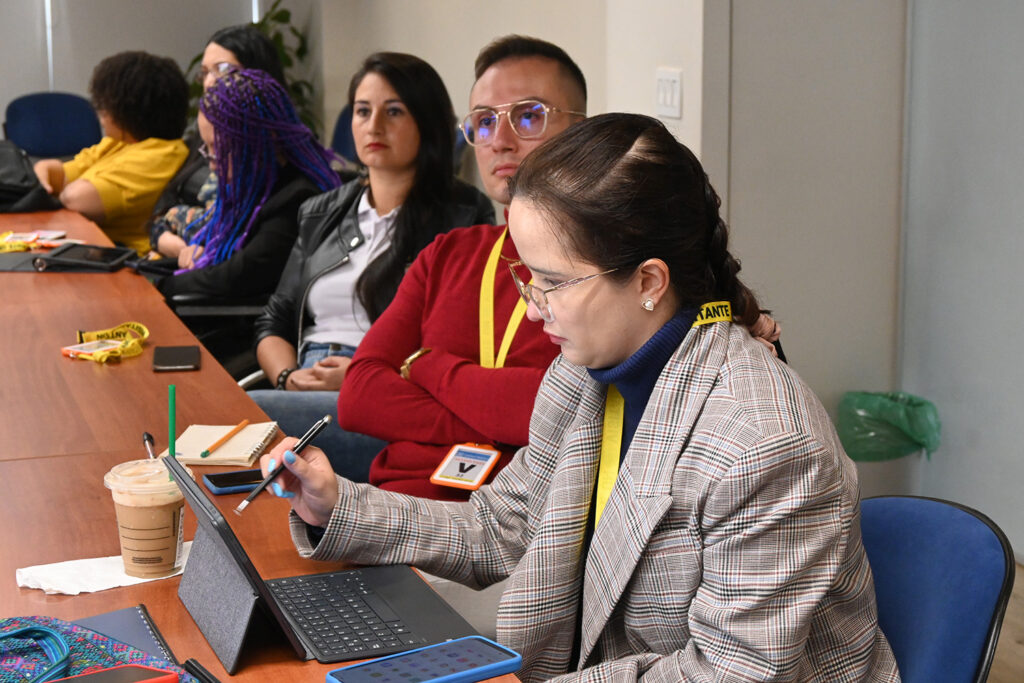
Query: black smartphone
{"points": [[232, 482], [173, 358]]}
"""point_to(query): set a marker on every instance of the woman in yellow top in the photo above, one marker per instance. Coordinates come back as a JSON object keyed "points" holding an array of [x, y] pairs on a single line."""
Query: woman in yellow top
{"points": [[142, 102]]}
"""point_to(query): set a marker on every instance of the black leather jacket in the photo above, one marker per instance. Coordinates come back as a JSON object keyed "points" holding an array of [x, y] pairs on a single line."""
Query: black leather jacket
{"points": [[328, 231]]}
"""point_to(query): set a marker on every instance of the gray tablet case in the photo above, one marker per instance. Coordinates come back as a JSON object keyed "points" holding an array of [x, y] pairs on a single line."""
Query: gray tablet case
{"points": [[226, 596]]}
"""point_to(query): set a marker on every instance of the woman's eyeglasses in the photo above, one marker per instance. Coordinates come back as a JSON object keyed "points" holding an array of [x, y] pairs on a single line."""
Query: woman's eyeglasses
{"points": [[219, 70], [206, 153], [532, 294], [528, 118]]}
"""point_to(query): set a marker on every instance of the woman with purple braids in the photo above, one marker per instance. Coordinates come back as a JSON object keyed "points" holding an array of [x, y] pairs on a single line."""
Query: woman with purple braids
{"points": [[267, 164]]}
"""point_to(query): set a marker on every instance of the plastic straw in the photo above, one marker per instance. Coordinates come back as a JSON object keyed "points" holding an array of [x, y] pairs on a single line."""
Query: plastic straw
{"points": [[171, 430]]}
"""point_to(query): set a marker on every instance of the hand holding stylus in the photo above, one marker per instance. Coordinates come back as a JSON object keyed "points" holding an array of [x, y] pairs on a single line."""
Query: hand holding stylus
{"points": [[295, 448], [307, 481]]}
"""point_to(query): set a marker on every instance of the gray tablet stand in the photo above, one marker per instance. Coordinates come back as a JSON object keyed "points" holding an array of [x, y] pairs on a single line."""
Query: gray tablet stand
{"points": [[219, 598]]}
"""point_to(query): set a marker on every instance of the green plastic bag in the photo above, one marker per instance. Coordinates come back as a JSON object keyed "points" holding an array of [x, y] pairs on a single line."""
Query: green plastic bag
{"points": [[885, 426]]}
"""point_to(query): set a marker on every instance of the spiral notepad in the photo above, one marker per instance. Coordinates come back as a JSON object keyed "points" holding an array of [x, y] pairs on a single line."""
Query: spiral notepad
{"points": [[132, 626], [241, 449]]}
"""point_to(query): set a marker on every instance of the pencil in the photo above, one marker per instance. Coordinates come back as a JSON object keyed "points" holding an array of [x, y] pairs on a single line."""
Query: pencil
{"points": [[224, 439]]}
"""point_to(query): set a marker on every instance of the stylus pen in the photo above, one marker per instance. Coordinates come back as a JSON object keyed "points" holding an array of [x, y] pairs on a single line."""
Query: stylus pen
{"points": [[199, 672], [296, 449]]}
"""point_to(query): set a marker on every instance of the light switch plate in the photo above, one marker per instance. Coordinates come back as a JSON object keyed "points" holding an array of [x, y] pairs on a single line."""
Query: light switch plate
{"points": [[668, 91]]}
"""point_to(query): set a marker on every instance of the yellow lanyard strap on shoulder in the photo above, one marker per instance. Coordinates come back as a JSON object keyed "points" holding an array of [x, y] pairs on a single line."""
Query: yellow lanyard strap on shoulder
{"points": [[131, 334], [611, 445], [615, 411], [713, 312], [487, 358]]}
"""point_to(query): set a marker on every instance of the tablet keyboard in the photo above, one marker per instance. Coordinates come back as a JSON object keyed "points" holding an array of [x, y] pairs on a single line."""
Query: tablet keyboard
{"points": [[342, 618]]}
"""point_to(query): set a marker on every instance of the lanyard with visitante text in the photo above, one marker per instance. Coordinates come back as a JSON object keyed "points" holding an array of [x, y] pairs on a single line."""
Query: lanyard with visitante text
{"points": [[615, 411], [487, 357]]}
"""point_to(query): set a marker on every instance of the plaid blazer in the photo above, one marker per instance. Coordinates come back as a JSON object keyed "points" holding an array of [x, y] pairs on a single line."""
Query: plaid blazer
{"points": [[729, 549]]}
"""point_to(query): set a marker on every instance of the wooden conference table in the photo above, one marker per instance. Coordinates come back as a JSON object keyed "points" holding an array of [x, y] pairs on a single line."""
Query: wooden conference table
{"points": [[64, 423]]}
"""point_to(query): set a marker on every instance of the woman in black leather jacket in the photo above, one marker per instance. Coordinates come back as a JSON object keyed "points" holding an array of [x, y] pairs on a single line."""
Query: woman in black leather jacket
{"points": [[355, 243]]}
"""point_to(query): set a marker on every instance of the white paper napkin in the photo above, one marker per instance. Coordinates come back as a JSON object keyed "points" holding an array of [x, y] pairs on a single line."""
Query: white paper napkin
{"points": [[85, 576]]}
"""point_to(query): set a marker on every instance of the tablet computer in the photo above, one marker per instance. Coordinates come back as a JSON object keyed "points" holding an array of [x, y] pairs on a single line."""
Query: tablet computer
{"points": [[85, 256]]}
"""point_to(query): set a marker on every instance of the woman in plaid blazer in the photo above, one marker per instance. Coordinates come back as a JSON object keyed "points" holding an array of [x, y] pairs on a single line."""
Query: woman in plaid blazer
{"points": [[684, 510]]}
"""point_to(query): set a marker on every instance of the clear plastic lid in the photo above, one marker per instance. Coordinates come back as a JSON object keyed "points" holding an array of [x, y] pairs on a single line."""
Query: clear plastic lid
{"points": [[141, 476]]}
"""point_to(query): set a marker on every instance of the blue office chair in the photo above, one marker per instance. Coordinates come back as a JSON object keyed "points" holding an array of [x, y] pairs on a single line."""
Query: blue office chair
{"points": [[52, 124], [943, 576], [341, 139]]}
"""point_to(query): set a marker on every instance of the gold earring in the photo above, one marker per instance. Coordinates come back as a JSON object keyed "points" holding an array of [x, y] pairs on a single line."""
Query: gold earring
{"points": [[648, 304]]}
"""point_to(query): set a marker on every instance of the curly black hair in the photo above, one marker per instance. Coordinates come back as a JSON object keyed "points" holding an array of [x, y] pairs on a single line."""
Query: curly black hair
{"points": [[144, 94]]}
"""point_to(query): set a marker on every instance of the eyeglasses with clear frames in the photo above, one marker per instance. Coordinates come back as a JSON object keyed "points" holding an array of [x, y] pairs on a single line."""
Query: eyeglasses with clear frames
{"points": [[219, 70], [532, 294], [528, 118], [206, 153]]}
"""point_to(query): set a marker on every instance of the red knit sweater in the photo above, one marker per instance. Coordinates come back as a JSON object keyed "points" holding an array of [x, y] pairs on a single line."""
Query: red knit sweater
{"points": [[450, 398]]}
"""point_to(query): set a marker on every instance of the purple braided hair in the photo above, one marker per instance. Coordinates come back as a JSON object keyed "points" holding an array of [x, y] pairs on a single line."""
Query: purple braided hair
{"points": [[255, 128]]}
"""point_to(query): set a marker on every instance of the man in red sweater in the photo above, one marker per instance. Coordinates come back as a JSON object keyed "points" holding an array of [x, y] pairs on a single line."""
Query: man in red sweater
{"points": [[453, 359]]}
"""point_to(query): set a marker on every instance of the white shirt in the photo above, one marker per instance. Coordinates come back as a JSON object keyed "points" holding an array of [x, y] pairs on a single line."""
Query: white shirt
{"points": [[337, 317]]}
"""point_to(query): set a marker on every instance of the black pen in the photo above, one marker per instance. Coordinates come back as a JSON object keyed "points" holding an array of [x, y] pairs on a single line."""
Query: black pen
{"points": [[296, 449], [147, 441], [199, 672]]}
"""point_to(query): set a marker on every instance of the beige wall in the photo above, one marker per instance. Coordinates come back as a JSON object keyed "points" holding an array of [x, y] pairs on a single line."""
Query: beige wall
{"points": [[642, 36], [449, 33], [22, 50], [814, 180], [963, 281], [86, 31]]}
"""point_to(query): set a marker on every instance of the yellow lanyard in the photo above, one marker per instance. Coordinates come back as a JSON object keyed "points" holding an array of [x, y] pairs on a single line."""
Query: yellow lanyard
{"points": [[611, 444], [487, 358], [6, 246], [615, 411], [131, 334]]}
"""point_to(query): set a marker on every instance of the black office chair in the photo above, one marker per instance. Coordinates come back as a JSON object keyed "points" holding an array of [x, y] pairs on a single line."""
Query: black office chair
{"points": [[52, 124], [943, 576], [226, 327]]}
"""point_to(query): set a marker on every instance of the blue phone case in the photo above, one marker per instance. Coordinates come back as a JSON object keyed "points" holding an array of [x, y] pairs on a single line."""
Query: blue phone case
{"points": [[431, 668], [239, 488]]}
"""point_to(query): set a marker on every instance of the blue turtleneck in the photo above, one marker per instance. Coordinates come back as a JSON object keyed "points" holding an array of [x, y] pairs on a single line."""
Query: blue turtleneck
{"points": [[636, 376]]}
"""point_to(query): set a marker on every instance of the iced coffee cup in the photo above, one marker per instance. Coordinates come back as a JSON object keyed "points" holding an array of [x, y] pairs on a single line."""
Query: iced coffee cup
{"points": [[149, 510]]}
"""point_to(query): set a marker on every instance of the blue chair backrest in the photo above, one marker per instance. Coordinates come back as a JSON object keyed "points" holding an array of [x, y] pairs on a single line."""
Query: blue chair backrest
{"points": [[341, 140], [943, 576], [52, 124]]}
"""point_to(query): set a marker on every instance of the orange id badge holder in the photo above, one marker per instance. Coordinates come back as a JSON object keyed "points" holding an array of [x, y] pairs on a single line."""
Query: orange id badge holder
{"points": [[466, 466]]}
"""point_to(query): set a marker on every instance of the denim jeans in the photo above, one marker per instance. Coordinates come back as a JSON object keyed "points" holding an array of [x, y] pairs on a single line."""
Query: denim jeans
{"points": [[350, 453]]}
